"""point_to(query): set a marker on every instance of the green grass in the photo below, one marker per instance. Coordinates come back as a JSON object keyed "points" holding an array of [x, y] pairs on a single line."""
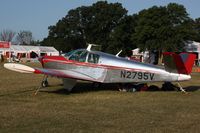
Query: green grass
{"points": [[94, 110]]}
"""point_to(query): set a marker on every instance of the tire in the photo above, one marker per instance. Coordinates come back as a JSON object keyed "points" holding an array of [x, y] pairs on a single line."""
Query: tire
{"points": [[44, 83]]}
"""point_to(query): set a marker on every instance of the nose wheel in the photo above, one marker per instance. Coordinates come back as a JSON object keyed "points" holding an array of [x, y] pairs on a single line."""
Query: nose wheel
{"points": [[44, 83]]}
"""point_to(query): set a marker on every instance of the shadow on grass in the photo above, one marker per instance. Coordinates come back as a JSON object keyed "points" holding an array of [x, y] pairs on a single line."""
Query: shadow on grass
{"points": [[84, 87], [192, 88], [89, 87]]}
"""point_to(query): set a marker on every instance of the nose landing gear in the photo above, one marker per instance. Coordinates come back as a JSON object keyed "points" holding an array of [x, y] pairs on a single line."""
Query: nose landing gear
{"points": [[44, 83]]}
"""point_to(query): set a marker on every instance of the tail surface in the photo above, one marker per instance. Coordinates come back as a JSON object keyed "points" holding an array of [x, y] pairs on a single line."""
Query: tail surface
{"points": [[179, 63]]}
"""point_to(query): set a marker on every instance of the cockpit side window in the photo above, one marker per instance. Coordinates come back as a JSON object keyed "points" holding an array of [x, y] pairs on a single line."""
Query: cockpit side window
{"points": [[93, 58], [83, 56]]}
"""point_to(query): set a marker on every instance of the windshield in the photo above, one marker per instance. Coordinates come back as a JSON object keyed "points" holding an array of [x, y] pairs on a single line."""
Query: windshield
{"points": [[69, 53]]}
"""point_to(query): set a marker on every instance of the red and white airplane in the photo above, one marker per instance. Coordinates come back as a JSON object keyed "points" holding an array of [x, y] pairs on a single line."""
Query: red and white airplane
{"points": [[95, 66]]}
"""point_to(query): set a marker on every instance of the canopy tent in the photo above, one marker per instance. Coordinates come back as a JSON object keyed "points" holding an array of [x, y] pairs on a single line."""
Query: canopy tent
{"points": [[41, 50]]}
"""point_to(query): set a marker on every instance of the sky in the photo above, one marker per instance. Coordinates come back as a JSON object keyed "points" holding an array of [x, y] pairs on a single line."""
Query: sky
{"points": [[37, 15]]}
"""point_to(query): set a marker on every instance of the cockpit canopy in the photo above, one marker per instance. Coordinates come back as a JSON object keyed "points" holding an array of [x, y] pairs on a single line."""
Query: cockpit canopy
{"points": [[83, 56]]}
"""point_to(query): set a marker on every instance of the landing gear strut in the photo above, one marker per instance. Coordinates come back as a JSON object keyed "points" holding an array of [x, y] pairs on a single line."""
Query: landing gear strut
{"points": [[44, 83], [181, 88], [168, 86]]}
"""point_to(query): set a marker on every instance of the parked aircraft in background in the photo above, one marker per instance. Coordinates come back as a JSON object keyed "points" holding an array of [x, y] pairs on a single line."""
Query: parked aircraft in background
{"points": [[99, 67]]}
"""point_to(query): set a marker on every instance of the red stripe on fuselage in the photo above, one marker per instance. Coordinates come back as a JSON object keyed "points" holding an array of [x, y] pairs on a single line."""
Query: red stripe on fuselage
{"points": [[63, 60]]}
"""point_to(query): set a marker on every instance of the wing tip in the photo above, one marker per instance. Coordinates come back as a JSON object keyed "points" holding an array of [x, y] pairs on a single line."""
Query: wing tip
{"points": [[19, 68]]}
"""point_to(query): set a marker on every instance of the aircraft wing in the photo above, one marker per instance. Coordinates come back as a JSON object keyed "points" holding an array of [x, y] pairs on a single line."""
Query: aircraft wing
{"points": [[26, 69], [50, 72]]}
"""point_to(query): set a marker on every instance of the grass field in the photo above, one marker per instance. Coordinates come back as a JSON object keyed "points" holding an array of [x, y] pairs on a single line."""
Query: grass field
{"points": [[94, 110]]}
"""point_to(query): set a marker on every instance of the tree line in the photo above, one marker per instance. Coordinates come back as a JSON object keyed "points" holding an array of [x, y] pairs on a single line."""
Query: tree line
{"points": [[161, 28]]}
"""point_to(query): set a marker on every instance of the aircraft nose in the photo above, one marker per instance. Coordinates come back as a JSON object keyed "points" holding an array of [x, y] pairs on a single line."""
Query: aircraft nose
{"points": [[183, 77]]}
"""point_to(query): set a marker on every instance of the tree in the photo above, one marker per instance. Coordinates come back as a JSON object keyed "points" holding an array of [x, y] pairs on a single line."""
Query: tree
{"points": [[164, 28], [197, 29], [24, 37], [86, 24], [7, 35], [121, 36]]}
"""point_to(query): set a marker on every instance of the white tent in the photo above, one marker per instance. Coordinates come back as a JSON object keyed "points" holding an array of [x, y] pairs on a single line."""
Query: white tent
{"points": [[26, 50], [41, 50]]}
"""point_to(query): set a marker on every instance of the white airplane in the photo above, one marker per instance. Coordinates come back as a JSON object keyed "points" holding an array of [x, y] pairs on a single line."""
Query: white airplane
{"points": [[99, 67]]}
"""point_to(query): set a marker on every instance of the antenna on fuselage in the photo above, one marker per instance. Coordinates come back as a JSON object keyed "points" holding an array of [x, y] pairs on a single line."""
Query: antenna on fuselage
{"points": [[118, 53], [90, 46]]}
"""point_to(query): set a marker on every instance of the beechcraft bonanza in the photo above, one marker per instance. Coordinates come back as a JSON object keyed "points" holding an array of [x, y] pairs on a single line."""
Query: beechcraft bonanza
{"points": [[99, 67]]}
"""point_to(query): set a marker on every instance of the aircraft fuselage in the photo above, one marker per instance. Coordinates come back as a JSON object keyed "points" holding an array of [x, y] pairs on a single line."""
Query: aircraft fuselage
{"points": [[111, 69]]}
